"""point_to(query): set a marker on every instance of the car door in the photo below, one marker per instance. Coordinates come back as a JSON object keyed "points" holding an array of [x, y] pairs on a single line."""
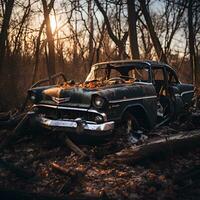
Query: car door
{"points": [[164, 107], [181, 94]]}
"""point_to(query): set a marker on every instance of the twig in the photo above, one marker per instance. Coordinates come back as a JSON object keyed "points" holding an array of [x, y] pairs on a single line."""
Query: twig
{"points": [[74, 147]]}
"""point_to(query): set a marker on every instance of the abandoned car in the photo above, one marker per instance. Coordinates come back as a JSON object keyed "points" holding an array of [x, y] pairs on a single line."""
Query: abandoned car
{"points": [[133, 94]]}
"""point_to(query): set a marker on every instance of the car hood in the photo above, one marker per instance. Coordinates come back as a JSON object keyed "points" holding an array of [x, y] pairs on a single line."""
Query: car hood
{"points": [[82, 97], [75, 96]]}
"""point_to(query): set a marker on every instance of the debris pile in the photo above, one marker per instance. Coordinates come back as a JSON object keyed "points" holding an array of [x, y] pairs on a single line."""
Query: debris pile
{"points": [[94, 83]]}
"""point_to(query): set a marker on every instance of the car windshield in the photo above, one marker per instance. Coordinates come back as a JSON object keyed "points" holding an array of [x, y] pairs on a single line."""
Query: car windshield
{"points": [[108, 72]]}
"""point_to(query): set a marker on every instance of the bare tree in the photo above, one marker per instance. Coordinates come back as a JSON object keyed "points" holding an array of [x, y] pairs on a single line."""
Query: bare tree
{"points": [[4, 29], [146, 44], [91, 32], [193, 63], [17, 42], [173, 16], [50, 41], [132, 19], [37, 47], [120, 42], [154, 38]]}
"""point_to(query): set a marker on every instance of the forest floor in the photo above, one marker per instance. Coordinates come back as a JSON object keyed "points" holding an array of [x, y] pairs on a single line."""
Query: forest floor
{"points": [[176, 176]]}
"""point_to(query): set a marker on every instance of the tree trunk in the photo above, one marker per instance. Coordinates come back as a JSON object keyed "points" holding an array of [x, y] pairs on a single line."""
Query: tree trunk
{"points": [[4, 29], [100, 42], [132, 19], [50, 41], [91, 34], [158, 48], [37, 48], [191, 42]]}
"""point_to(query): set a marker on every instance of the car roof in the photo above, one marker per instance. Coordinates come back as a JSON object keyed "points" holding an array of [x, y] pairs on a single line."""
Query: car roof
{"points": [[138, 63]]}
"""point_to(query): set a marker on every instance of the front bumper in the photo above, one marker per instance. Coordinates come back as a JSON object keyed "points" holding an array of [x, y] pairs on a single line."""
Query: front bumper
{"points": [[78, 125]]}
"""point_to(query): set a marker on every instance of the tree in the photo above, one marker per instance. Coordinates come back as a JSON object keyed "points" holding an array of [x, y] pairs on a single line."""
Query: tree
{"points": [[173, 17], [50, 41], [37, 47], [91, 32], [193, 63], [120, 42], [158, 48], [4, 29], [132, 19]]}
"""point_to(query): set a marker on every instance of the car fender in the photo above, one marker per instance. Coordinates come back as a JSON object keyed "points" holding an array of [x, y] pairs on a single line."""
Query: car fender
{"points": [[141, 114]]}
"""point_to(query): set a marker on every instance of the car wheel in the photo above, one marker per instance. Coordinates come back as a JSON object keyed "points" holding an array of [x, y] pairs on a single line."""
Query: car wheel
{"points": [[130, 123]]}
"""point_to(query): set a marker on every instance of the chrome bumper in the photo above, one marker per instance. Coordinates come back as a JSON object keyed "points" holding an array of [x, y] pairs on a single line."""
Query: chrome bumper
{"points": [[77, 125]]}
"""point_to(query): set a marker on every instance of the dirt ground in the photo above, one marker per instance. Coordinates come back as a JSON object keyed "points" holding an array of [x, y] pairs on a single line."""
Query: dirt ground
{"points": [[175, 177]]}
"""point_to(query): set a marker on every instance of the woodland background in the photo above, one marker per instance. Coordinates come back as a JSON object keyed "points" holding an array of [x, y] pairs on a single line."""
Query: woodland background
{"points": [[40, 37]]}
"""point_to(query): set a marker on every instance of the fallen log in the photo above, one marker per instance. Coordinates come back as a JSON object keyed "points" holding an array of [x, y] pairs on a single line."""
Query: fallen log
{"points": [[157, 149]]}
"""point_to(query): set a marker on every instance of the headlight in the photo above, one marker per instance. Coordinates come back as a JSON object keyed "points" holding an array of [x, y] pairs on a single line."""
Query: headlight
{"points": [[34, 97], [98, 101]]}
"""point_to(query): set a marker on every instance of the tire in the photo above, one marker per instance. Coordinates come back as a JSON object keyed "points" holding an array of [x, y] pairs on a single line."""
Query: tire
{"points": [[130, 123]]}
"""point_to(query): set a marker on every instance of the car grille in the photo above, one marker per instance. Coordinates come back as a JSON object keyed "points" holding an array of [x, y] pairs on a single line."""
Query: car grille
{"points": [[53, 113]]}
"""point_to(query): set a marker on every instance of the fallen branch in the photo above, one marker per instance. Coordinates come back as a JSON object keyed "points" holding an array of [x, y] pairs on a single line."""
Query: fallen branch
{"points": [[58, 168], [73, 177], [74, 147]]}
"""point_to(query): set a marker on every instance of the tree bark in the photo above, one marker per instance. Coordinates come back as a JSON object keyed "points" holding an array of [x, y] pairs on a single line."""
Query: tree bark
{"points": [[37, 48], [4, 29], [50, 41], [132, 19], [91, 33], [191, 42], [158, 48]]}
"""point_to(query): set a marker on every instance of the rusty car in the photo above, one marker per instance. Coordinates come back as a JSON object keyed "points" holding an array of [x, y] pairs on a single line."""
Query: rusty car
{"points": [[132, 94]]}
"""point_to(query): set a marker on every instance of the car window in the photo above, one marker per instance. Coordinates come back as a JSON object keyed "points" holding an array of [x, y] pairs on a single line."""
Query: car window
{"points": [[171, 77], [100, 74], [139, 74], [114, 73], [129, 72], [158, 74]]}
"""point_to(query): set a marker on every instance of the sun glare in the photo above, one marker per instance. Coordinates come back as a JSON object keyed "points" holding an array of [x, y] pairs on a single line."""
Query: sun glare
{"points": [[53, 23]]}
